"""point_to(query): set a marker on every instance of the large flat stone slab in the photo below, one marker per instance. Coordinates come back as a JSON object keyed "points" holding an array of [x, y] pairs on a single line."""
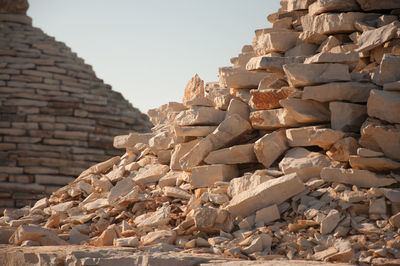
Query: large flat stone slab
{"points": [[272, 64], [355, 92], [233, 155], [274, 191], [207, 175], [384, 105], [325, 6], [230, 129], [377, 164], [306, 111], [361, 178], [293, 5], [197, 116], [313, 136], [328, 57], [378, 136], [271, 42], [300, 75], [272, 119], [239, 78], [269, 99], [270, 147], [334, 23]]}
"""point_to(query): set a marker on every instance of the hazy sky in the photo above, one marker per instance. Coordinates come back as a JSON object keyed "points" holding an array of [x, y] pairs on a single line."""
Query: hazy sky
{"points": [[149, 49]]}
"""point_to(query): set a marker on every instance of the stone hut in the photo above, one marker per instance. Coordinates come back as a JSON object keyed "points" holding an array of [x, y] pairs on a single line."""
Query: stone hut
{"points": [[57, 117]]}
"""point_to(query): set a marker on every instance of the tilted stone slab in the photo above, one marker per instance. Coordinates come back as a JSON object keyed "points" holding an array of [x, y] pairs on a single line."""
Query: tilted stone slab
{"points": [[324, 6], [376, 164], [274, 191], [121, 142], [272, 64], [334, 23], [231, 128], [270, 147], [233, 155], [293, 5], [200, 116], [361, 178], [355, 92], [300, 75], [239, 78], [373, 38], [207, 175], [379, 136], [384, 105]]}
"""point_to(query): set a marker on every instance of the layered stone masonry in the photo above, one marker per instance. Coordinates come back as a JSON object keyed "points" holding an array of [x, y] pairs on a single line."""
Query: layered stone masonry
{"points": [[56, 117]]}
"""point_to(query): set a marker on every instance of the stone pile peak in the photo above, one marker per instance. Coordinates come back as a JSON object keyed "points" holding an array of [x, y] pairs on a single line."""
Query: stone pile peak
{"points": [[293, 154]]}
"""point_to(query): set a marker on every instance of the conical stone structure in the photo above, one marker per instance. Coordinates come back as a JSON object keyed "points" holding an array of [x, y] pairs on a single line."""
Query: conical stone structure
{"points": [[56, 116]]}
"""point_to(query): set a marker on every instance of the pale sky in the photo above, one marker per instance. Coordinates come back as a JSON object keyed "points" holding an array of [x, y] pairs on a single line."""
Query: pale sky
{"points": [[149, 49]]}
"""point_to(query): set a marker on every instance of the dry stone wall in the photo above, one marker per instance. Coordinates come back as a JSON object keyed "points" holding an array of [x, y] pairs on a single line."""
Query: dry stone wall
{"points": [[56, 117], [293, 154]]}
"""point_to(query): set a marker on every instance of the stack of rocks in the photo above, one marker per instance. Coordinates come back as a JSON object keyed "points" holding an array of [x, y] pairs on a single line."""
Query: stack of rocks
{"points": [[294, 154], [54, 112]]}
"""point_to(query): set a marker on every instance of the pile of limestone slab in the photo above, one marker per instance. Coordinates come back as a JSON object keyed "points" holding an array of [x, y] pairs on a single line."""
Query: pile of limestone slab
{"points": [[294, 154]]}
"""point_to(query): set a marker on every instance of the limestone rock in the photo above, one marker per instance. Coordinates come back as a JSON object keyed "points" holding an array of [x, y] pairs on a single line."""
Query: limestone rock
{"points": [[272, 119], [275, 42], [306, 111], [44, 237], [384, 105], [304, 163], [269, 99], [247, 182], [233, 155], [367, 153], [369, 5], [132, 241], [393, 86], [200, 116], [207, 175], [377, 164], [238, 78], [329, 223], [151, 175], [274, 191], [298, 4], [328, 57], [373, 38], [313, 136], [300, 75], [238, 107], [270, 147], [132, 139], [342, 149], [159, 217], [334, 23], [386, 72], [230, 129], [361, 178], [272, 64], [194, 89], [347, 116], [175, 192], [179, 151], [193, 131], [268, 214], [339, 91], [378, 136], [325, 6]]}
